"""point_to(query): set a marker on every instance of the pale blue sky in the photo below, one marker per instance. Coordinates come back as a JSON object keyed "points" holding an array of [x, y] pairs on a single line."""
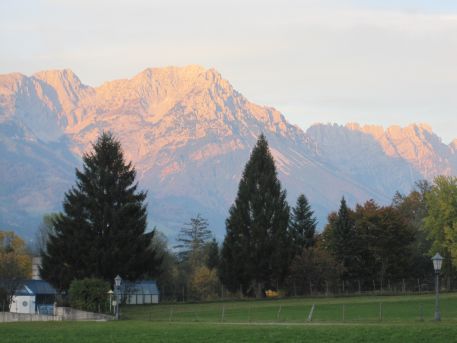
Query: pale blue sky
{"points": [[375, 62]]}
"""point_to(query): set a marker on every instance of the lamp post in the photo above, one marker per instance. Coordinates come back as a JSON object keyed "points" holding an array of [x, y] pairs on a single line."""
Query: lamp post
{"points": [[117, 283], [437, 262], [110, 293]]}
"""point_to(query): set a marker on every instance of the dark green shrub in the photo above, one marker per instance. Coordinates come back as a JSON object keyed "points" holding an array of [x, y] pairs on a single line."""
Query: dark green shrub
{"points": [[89, 295], [4, 303]]}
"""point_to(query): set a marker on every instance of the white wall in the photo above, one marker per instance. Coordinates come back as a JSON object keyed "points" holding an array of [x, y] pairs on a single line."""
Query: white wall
{"points": [[23, 304]]}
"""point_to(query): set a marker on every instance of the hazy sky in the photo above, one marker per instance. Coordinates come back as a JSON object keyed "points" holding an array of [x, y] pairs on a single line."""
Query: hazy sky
{"points": [[377, 62]]}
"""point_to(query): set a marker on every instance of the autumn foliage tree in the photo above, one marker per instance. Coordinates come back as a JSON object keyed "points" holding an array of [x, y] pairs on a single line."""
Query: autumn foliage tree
{"points": [[15, 265], [198, 255], [441, 221]]}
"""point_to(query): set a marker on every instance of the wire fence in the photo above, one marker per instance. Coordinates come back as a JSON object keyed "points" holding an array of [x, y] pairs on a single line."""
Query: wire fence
{"points": [[301, 310], [186, 293]]}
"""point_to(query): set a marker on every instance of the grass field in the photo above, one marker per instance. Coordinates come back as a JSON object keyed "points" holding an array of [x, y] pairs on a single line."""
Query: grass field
{"points": [[143, 331], [364, 309], [259, 321]]}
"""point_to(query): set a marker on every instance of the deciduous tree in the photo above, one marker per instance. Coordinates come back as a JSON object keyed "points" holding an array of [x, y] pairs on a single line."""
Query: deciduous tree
{"points": [[441, 221], [15, 265]]}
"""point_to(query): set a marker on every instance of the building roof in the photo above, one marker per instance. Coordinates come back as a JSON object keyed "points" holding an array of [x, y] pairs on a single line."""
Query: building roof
{"points": [[140, 287], [35, 287]]}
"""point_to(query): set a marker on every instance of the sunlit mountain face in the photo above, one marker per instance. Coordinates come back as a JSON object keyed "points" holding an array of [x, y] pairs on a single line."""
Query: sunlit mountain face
{"points": [[189, 134]]}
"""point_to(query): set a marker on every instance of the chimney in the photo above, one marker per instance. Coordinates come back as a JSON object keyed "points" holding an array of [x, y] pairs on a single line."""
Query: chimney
{"points": [[36, 264]]}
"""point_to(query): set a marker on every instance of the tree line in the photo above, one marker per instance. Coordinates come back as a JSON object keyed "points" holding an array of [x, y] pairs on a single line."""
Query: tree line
{"points": [[268, 245], [271, 246]]}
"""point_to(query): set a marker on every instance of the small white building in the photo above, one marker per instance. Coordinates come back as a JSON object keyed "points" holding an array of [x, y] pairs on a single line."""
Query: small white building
{"points": [[34, 296], [140, 292]]}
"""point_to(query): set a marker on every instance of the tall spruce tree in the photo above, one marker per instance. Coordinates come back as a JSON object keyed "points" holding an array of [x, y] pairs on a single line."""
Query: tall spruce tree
{"points": [[101, 232], [255, 252], [302, 225]]}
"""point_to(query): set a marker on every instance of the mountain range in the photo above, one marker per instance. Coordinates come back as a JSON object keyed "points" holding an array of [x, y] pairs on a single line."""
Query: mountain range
{"points": [[189, 134]]}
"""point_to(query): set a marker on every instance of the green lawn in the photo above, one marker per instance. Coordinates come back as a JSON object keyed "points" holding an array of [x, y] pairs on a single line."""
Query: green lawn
{"points": [[258, 321], [144, 331], [401, 309]]}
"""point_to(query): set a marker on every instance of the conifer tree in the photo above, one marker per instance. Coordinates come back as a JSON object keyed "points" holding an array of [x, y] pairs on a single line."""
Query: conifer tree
{"points": [[343, 240], [255, 252], [193, 238], [212, 259], [101, 232], [302, 225]]}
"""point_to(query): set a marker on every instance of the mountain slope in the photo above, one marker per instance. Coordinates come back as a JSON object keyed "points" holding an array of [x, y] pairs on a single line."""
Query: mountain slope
{"points": [[189, 134]]}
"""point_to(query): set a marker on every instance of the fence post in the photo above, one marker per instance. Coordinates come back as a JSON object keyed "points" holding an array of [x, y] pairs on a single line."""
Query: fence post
{"points": [[404, 287], [311, 312], [421, 312], [171, 314], [279, 313]]}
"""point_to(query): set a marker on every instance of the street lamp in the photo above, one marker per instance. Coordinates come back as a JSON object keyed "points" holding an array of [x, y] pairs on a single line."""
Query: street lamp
{"points": [[437, 262], [117, 283], [110, 293]]}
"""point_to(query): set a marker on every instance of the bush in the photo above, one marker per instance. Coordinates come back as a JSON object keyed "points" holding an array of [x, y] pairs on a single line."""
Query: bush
{"points": [[203, 283], [89, 295], [4, 303]]}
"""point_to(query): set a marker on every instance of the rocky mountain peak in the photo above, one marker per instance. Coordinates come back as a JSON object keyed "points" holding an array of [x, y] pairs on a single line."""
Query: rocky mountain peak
{"points": [[415, 143], [56, 76], [65, 85]]}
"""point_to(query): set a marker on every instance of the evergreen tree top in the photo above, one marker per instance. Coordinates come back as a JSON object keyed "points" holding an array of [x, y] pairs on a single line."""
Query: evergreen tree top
{"points": [[302, 212], [194, 233], [260, 170]]}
